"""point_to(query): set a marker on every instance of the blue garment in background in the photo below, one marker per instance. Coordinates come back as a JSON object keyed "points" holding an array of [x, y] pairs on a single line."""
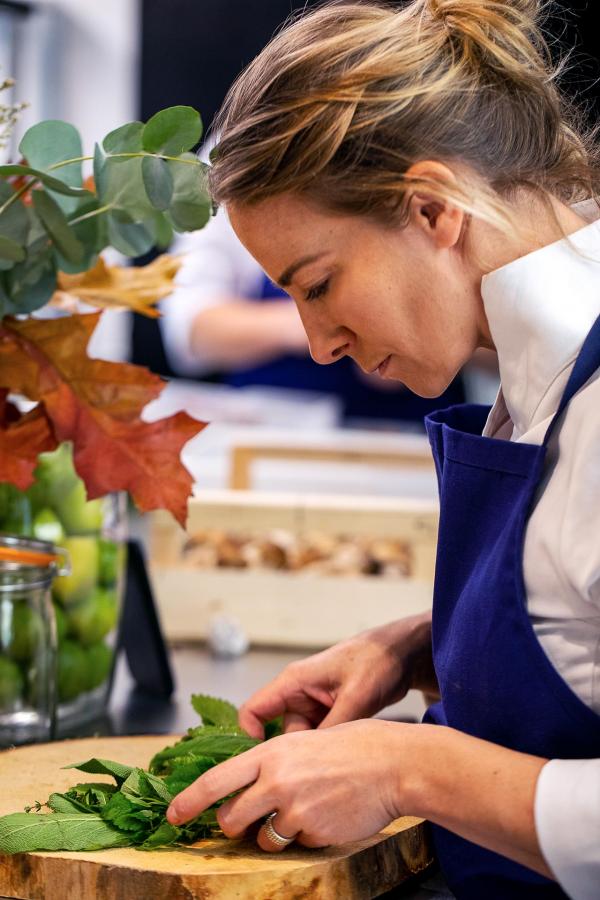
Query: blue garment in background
{"points": [[359, 399], [495, 679]]}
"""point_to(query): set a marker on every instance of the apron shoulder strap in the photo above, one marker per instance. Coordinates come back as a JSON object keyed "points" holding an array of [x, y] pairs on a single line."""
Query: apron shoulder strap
{"points": [[587, 362]]}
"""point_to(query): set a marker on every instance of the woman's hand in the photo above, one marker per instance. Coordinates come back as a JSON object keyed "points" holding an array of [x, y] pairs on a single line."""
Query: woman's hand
{"points": [[328, 787], [351, 680]]}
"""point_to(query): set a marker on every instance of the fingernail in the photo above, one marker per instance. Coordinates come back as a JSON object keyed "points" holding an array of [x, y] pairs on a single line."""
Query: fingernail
{"points": [[173, 816]]}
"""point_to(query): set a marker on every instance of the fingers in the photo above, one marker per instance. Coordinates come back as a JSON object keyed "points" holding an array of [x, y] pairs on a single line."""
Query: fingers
{"points": [[345, 709], [266, 704], [241, 812], [296, 722], [224, 779]]}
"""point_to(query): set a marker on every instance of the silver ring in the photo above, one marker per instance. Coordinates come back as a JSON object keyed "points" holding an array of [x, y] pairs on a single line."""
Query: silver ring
{"points": [[278, 839]]}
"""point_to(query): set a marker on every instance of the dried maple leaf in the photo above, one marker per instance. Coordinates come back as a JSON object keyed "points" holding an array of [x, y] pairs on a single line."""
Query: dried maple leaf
{"points": [[134, 287], [97, 405], [21, 441]]}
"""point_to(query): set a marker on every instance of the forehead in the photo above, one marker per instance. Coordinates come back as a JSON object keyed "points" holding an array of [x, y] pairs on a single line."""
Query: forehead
{"points": [[278, 229]]}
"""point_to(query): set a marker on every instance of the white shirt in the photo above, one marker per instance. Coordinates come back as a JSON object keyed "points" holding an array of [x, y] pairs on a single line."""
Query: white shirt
{"points": [[540, 308], [215, 268]]}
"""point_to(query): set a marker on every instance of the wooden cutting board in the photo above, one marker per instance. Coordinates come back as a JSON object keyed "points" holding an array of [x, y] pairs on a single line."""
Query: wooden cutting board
{"points": [[216, 869]]}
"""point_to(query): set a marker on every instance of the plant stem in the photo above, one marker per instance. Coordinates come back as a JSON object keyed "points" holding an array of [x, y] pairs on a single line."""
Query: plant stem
{"points": [[91, 214], [139, 154], [14, 197]]}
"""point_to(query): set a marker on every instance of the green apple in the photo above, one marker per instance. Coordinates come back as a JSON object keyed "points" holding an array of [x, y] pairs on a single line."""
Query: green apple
{"points": [[48, 527], [99, 659], [72, 671], [112, 557], [54, 477], [78, 514], [11, 683], [26, 632], [73, 588], [15, 511], [92, 619]]}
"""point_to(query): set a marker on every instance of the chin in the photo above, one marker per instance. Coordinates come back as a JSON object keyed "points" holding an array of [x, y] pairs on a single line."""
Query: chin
{"points": [[429, 388]]}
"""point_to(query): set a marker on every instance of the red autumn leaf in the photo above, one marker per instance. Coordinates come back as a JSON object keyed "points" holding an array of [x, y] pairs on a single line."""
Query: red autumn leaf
{"points": [[97, 405], [21, 440]]}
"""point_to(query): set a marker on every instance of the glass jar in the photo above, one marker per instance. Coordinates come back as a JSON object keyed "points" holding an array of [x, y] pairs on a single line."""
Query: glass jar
{"points": [[28, 643], [87, 601]]}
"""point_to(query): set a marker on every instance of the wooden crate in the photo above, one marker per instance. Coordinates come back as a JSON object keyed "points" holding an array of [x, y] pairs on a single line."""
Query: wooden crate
{"points": [[291, 609]]}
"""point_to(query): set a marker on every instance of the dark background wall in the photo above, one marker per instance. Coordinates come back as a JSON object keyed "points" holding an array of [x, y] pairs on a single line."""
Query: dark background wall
{"points": [[193, 49]]}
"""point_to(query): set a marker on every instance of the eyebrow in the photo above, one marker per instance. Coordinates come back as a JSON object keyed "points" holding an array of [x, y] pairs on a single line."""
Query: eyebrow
{"points": [[285, 279]]}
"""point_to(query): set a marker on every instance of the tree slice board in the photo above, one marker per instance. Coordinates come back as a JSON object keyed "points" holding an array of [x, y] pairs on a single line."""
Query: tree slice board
{"points": [[216, 869]]}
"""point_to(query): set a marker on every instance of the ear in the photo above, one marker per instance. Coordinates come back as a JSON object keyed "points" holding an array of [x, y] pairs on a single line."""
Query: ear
{"points": [[437, 217]]}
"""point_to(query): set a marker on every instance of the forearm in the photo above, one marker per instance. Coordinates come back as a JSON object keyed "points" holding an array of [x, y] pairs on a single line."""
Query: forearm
{"points": [[241, 333], [478, 790]]}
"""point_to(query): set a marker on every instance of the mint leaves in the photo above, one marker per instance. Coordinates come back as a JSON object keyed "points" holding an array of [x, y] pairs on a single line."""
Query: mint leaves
{"points": [[132, 812]]}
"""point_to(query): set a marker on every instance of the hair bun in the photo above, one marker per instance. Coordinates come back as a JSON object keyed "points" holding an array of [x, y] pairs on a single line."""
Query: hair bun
{"points": [[448, 10]]}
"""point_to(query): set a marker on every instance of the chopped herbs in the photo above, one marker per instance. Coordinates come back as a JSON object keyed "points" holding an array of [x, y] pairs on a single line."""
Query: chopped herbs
{"points": [[131, 812]]}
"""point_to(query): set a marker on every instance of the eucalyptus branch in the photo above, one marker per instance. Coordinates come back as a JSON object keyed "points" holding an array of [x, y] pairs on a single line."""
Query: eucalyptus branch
{"points": [[92, 213], [137, 155], [17, 194]]}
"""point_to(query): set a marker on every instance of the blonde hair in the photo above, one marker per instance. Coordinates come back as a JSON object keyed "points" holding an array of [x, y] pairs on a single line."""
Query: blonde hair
{"points": [[340, 104]]}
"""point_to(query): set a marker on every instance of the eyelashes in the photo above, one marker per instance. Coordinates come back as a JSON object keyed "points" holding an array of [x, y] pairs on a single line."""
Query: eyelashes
{"points": [[318, 290]]}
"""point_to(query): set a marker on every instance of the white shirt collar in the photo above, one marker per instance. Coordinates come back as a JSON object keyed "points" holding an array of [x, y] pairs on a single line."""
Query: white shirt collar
{"points": [[539, 309]]}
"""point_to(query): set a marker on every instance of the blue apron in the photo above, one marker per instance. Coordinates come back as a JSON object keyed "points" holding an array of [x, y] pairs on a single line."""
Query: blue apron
{"points": [[359, 399], [496, 681]]}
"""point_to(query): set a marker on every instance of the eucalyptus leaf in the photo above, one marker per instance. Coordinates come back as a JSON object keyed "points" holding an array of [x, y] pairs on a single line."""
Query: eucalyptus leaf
{"points": [[125, 139], [14, 223], [50, 142], [30, 284], [10, 250], [57, 226], [130, 238], [49, 181], [26, 832], [158, 181], [172, 131], [163, 232], [190, 207], [122, 187]]}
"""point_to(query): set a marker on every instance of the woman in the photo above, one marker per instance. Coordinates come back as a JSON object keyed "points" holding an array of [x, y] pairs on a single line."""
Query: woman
{"points": [[410, 177], [226, 315]]}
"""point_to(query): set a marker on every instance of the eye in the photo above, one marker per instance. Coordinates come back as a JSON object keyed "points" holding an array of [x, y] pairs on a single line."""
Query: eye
{"points": [[318, 290]]}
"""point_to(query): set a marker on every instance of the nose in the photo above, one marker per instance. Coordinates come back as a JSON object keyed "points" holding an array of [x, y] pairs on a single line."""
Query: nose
{"points": [[325, 350]]}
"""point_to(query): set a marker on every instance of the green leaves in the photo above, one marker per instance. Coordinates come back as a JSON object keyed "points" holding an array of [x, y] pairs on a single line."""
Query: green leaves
{"points": [[172, 131], [146, 185], [55, 222], [158, 181], [190, 207], [26, 832], [51, 142], [119, 771], [93, 815], [213, 711], [49, 181], [10, 250]]}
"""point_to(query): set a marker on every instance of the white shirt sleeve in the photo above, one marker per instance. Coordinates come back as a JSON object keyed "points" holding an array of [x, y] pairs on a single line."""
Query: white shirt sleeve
{"points": [[567, 819], [215, 268]]}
